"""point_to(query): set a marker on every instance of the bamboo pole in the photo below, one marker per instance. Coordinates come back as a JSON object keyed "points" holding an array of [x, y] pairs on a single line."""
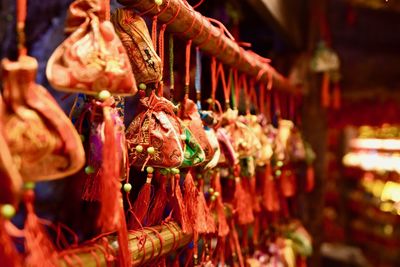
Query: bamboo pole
{"points": [[190, 24], [144, 245]]}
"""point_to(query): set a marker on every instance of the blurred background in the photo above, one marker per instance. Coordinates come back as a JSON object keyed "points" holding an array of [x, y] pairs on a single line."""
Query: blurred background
{"points": [[354, 212]]}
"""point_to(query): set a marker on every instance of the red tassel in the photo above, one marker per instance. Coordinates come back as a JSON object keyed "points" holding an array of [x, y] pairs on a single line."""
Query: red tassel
{"points": [[301, 261], [253, 194], [325, 96], [141, 205], [160, 263], [288, 183], [159, 202], [242, 204], [236, 243], [190, 199], [179, 207], [40, 250], [221, 250], [194, 252], [336, 96], [270, 195], [310, 176], [256, 232], [242, 201], [176, 262], [112, 216], [223, 227], [208, 226], [196, 207], [8, 254]]}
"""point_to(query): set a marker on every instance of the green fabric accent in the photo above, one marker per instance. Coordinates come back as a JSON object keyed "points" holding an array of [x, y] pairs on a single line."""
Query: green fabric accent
{"points": [[193, 153], [301, 244]]}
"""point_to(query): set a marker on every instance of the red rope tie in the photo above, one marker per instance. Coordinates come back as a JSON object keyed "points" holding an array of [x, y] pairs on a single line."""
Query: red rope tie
{"points": [[77, 260], [156, 233], [205, 40], [260, 73], [146, 11], [198, 4], [262, 99], [175, 16], [201, 29], [21, 18], [174, 247], [154, 32], [163, 9], [213, 71], [96, 257], [187, 66], [270, 81], [191, 25], [68, 260], [222, 28]]}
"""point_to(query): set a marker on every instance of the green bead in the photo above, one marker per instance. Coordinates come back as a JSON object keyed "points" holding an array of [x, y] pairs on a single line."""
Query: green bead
{"points": [[216, 194], [213, 198], [89, 169], [158, 2], [175, 171], [127, 187], [104, 94], [142, 86], [29, 185], [279, 164], [82, 137], [199, 176], [149, 169], [7, 211], [139, 148], [211, 190], [151, 150], [278, 172]]}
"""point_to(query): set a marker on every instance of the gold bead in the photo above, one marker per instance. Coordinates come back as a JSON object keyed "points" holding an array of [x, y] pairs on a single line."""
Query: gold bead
{"points": [[104, 94], [139, 148], [151, 150]]}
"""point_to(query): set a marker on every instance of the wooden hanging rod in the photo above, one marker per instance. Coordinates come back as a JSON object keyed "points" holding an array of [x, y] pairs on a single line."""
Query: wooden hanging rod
{"points": [[144, 246], [189, 24]]}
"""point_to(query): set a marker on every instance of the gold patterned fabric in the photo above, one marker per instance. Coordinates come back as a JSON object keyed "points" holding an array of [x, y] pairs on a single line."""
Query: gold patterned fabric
{"points": [[43, 142], [92, 58]]}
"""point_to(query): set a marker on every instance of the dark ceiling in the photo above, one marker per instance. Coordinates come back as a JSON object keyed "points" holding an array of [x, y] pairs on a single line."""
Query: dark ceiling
{"points": [[367, 41]]}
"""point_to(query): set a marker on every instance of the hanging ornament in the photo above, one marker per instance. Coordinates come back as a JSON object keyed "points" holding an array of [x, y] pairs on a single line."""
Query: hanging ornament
{"points": [[325, 61]]}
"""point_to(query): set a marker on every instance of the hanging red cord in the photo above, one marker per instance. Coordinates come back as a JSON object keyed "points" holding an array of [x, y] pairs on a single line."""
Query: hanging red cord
{"points": [[21, 17]]}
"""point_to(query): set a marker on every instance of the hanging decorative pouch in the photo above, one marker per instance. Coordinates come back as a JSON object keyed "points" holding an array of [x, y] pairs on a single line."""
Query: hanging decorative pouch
{"points": [[133, 32], [94, 160], [11, 180], [43, 142], [153, 137], [281, 143], [243, 139], [92, 58], [297, 151], [263, 154], [195, 124], [302, 241], [228, 155]]}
